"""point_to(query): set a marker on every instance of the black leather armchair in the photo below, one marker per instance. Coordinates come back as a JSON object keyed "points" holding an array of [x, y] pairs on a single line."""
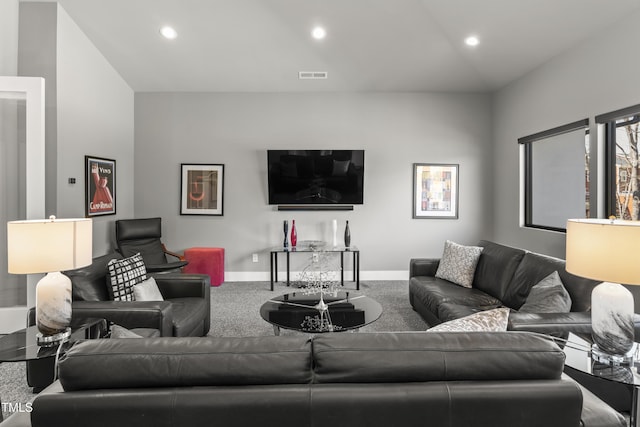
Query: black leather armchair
{"points": [[143, 236]]}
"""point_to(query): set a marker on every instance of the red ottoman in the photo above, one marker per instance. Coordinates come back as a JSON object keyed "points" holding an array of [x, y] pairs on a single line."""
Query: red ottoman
{"points": [[208, 261]]}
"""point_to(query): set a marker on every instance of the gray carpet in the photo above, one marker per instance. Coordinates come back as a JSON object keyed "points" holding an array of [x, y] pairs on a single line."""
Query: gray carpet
{"points": [[235, 313]]}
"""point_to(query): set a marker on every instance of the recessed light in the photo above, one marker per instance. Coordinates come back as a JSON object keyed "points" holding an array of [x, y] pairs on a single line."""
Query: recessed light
{"points": [[168, 33], [472, 41], [318, 33]]}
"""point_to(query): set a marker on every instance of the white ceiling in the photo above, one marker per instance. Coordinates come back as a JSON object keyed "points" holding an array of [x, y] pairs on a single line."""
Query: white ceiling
{"points": [[372, 45]]}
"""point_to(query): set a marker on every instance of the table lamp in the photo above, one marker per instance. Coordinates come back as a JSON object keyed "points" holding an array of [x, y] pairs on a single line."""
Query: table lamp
{"points": [[50, 246], [607, 250]]}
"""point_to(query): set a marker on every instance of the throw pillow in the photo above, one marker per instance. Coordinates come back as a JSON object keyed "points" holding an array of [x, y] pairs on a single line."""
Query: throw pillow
{"points": [[124, 274], [118, 331], [458, 263], [548, 296], [495, 320], [147, 291]]}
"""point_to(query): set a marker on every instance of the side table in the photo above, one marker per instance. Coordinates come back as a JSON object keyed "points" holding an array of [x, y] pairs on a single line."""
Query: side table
{"points": [[618, 386], [342, 250], [20, 346]]}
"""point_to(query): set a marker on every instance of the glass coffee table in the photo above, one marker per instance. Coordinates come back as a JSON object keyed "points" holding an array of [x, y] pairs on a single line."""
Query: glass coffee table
{"points": [[316, 313], [617, 385]]}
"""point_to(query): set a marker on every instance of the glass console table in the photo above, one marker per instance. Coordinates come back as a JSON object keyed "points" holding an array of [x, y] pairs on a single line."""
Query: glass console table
{"points": [[318, 248]]}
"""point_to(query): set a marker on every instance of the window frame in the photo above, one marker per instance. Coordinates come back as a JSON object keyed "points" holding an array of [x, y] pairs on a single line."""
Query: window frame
{"points": [[527, 144]]}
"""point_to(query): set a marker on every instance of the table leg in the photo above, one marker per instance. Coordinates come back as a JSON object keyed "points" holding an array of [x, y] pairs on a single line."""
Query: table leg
{"points": [[356, 268], [341, 268], [634, 408], [271, 262], [287, 268], [276, 330]]}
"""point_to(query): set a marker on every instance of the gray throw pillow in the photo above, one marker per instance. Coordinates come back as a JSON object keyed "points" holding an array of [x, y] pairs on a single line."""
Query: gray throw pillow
{"points": [[118, 331], [147, 291], [458, 263], [495, 320], [548, 296]]}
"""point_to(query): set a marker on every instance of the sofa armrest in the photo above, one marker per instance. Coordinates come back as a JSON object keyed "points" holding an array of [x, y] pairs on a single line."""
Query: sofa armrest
{"points": [[129, 314], [557, 323], [184, 285], [423, 266]]}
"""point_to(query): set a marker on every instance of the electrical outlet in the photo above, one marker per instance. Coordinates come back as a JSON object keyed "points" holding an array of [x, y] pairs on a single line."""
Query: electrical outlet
{"points": [[315, 257], [254, 257]]}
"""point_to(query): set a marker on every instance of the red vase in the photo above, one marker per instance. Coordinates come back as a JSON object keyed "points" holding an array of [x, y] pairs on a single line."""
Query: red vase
{"points": [[294, 234]]}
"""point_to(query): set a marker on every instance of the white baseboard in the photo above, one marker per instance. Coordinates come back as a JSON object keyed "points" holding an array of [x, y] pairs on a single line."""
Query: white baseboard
{"points": [[265, 276]]}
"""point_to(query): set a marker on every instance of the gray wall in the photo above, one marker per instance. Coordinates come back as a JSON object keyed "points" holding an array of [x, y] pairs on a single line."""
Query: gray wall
{"points": [[394, 129], [599, 76], [90, 111]]}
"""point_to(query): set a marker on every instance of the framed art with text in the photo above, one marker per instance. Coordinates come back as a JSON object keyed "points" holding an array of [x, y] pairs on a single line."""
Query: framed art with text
{"points": [[202, 188], [100, 186], [435, 190]]}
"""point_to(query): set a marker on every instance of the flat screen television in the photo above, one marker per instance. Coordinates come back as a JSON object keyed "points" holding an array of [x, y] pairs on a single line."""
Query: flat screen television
{"points": [[316, 177]]}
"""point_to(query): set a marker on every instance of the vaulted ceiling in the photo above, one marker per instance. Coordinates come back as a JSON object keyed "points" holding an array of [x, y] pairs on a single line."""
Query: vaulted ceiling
{"points": [[371, 45]]}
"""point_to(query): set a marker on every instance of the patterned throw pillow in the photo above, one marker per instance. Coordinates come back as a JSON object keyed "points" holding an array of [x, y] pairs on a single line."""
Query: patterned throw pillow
{"points": [[124, 275], [118, 331], [548, 296], [495, 320], [458, 263]]}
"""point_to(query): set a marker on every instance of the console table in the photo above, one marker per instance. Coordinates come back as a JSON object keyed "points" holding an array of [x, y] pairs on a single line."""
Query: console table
{"points": [[306, 249]]}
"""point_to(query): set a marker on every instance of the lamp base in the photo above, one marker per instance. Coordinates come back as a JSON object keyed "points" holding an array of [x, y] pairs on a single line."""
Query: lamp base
{"points": [[604, 358], [51, 340], [53, 304], [612, 320]]}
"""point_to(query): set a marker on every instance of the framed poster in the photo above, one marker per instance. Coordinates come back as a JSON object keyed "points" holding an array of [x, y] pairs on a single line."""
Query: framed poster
{"points": [[100, 186], [201, 189], [435, 190]]}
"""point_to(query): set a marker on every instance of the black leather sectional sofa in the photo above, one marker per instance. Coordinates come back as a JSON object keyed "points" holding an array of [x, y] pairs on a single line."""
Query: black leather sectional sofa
{"points": [[504, 277], [369, 379]]}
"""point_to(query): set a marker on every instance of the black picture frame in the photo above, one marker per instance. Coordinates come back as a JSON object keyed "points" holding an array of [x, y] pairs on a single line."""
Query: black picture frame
{"points": [[100, 186], [201, 189]]}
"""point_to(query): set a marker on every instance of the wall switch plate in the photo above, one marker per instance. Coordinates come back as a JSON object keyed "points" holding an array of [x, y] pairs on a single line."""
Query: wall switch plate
{"points": [[314, 257], [254, 257]]}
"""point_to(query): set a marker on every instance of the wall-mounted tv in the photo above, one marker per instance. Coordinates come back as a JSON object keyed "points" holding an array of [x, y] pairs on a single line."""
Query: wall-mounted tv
{"points": [[316, 177]]}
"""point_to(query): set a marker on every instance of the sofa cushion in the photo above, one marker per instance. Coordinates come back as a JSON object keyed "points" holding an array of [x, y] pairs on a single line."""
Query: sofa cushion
{"points": [[147, 291], [437, 356], [433, 292], [124, 274], [488, 321], [90, 283], [118, 331], [451, 311], [548, 296], [496, 268], [182, 362], [188, 315], [458, 263]]}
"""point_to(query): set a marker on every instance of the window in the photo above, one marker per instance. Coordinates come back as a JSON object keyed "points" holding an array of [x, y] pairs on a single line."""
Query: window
{"points": [[556, 176], [621, 162]]}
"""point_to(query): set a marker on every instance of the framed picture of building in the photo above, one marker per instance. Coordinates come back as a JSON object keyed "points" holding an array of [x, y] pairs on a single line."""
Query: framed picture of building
{"points": [[202, 189], [435, 190], [100, 186]]}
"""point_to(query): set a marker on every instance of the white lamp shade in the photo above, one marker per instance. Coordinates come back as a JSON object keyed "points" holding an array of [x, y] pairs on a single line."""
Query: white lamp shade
{"points": [[43, 246], [602, 249]]}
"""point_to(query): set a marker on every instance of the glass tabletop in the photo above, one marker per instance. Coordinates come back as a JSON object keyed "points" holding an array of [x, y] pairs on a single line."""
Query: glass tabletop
{"points": [[303, 312], [315, 246], [578, 352], [21, 345]]}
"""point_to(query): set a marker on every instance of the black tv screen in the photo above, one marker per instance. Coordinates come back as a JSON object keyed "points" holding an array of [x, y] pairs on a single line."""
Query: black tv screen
{"points": [[310, 177]]}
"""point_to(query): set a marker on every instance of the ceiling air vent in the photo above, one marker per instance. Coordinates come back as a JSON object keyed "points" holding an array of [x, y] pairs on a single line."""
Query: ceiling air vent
{"points": [[313, 75]]}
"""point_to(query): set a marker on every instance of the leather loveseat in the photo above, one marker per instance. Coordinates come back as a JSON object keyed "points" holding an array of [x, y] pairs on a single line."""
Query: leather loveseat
{"points": [[503, 277], [376, 379]]}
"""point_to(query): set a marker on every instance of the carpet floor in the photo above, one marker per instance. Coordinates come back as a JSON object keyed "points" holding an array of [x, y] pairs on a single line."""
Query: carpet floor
{"points": [[235, 308]]}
